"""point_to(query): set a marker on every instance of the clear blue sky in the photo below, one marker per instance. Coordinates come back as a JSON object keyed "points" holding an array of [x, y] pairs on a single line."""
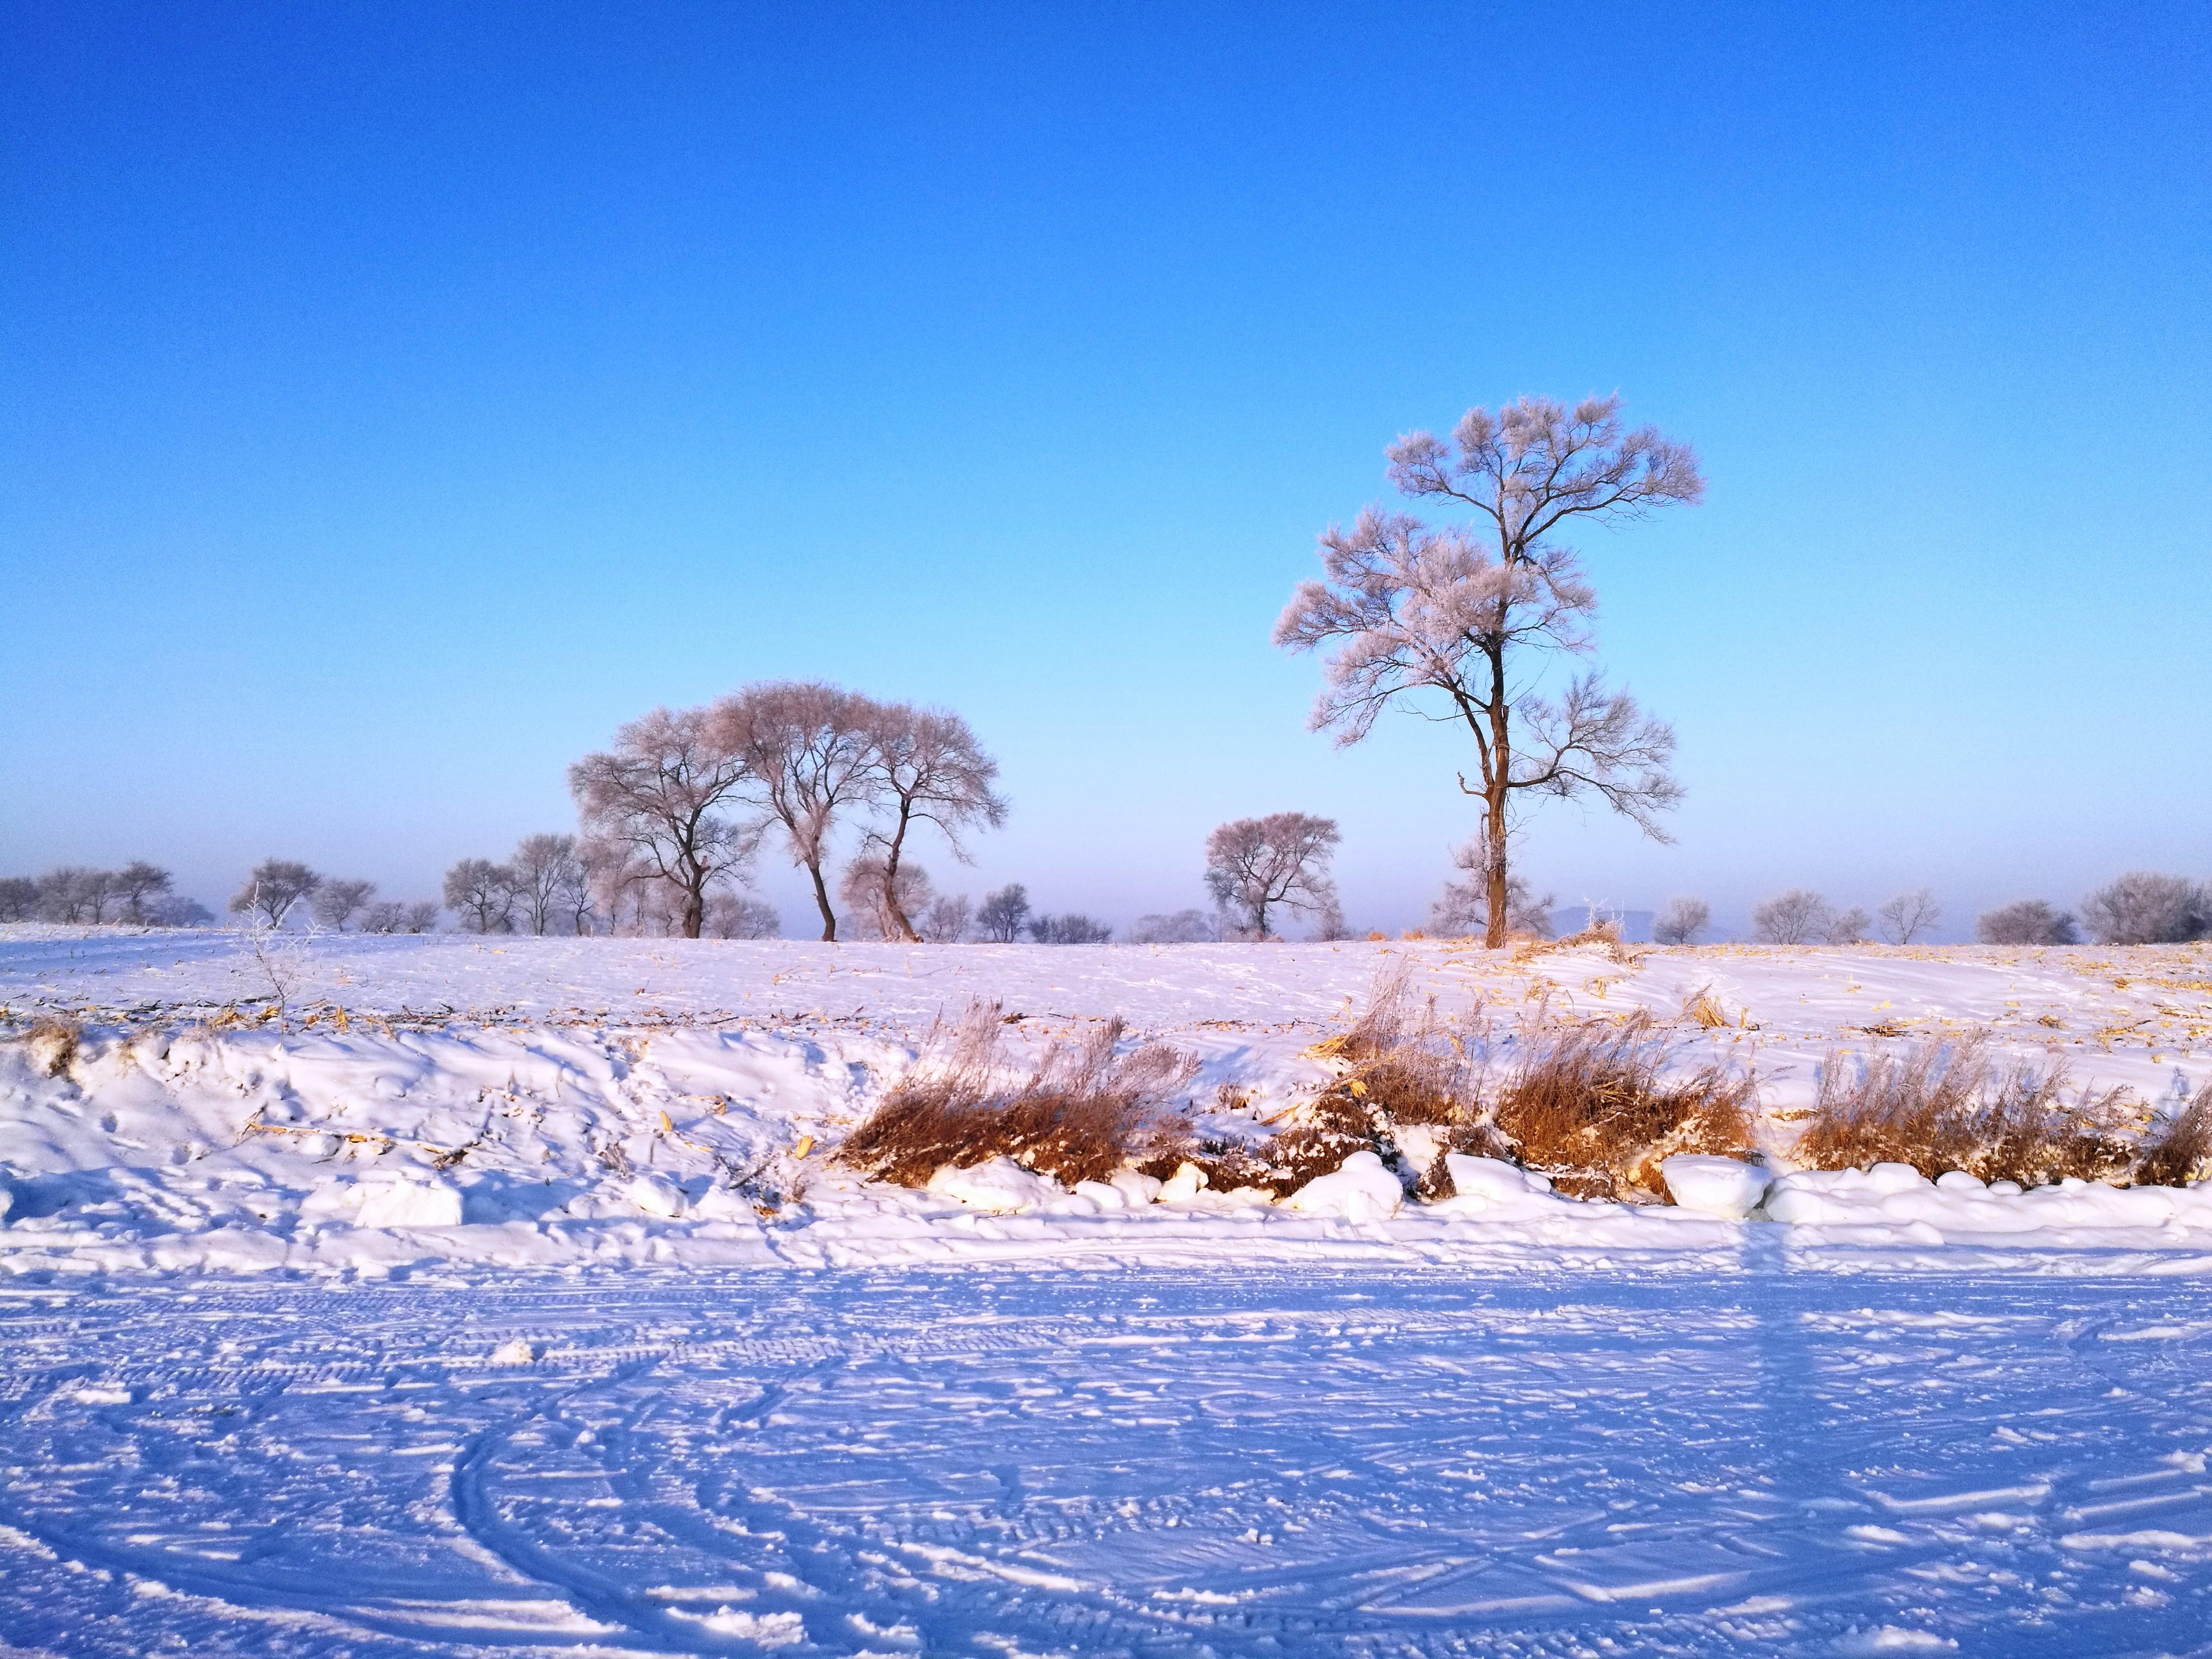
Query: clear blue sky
{"points": [[395, 399]]}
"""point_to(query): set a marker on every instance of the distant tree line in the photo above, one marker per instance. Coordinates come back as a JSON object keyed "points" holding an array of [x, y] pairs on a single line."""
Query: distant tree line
{"points": [[140, 893]]}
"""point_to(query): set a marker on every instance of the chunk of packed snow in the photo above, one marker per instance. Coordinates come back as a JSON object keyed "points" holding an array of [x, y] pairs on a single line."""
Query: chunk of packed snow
{"points": [[1183, 1185], [1895, 1178], [409, 1204], [1360, 1190], [1137, 1189], [513, 1352], [1104, 1195], [1723, 1187], [656, 1194], [998, 1185], [1491, 1177]]}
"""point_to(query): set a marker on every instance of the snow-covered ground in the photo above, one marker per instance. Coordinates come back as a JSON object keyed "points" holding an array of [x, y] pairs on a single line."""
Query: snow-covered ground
{"points": [[501, 1298]]}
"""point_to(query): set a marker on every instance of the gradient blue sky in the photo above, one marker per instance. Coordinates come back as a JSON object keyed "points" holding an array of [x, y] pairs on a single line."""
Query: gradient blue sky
{"points": [[395, 399]]}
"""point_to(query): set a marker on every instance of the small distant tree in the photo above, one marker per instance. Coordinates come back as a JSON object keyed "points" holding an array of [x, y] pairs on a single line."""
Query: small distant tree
{"points": [[928, 769], [1463, 907], [384, 916], [810, 752], [660, 799], [545, 874], [1847, 927], [1798, 916], [336, 902], [2145, 907], [733, 915], [272, 888], [1461, 616], [1002, 915], [1681, 921], [18, 898], [1280, 861], [423, 917], [1910, 915], [879, 900], [2025, 921], [175, 910], [139, 887], [481, 894], [948, 919], [1073, 928], [1192, 927]]}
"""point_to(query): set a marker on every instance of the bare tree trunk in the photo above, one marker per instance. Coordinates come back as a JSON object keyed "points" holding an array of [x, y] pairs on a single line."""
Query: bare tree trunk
{"points": [[891, 878], [1497, 782], [822, 898], [694, 912]]}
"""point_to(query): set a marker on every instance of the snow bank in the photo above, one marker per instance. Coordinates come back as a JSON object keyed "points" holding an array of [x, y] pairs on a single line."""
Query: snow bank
{"points": [[695, 1131]]}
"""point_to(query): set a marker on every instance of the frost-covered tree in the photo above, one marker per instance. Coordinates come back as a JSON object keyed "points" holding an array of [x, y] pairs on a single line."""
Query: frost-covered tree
{"points": [[1463, 907], [1909, 914], [2025, 921], [546, 876], [808, 753], [2145, 907], [928, 769], [733, 915], [661, 799], [948, 919], [1002, 915], [272, 888], [1192, 927], [1279, 861], [1798, 916], [481, 894], [423, 916], [18, 898], [139, 888], [1464, 619], [1681, 921], [336, 903]]}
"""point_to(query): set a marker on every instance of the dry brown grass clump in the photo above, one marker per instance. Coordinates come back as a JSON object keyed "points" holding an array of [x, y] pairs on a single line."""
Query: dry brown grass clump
{"points": [[2182, 1151], [1591, 1109], [1943, 1106], [1082, 1113], [52, 1044]]}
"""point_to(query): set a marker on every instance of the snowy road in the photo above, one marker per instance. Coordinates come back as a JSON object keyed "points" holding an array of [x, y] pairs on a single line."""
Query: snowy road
{"points": [[1251, 1463]]}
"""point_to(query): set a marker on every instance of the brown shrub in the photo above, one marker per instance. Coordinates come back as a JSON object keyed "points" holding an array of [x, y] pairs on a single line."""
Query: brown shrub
{"points": [[1942, 1105], [1590, 1110], [1082, 1113], [2178, 1153]]}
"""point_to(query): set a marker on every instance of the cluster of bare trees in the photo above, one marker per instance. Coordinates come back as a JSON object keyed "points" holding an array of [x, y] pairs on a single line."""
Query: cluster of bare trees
{"points": [[2140, 908], [1802, 916], [275, 890], [680, 804], [139, 893]]}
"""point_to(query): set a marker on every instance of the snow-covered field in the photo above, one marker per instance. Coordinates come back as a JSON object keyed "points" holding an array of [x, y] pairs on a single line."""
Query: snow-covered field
{"points": [[502, 1299]]}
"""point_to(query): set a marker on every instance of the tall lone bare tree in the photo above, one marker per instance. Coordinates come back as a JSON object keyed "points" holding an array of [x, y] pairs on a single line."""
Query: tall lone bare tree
{"points": [[1282, 860], [660, 797], [928, 769], [806, 748], [1471, 613]]}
